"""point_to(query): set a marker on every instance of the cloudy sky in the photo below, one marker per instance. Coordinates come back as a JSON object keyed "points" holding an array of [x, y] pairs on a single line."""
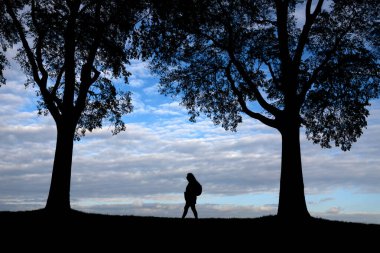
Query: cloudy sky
{"points": [[142, 170]]}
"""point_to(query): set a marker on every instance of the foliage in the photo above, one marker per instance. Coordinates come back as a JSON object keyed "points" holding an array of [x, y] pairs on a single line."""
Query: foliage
{"points": [[89, 36], [7, 37], [225, 58]]}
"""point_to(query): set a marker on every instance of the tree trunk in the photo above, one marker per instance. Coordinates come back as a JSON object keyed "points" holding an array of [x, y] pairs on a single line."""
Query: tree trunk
{"points": [[292, 204], [59, 194]]}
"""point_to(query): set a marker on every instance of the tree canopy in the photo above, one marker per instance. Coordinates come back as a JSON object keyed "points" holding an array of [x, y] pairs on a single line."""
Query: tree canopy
{"points": [[99, 32], [328, 51]]}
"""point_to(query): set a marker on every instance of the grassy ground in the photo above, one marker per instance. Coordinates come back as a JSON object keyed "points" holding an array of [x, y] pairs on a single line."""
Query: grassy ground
{"points": [[77, 229]]}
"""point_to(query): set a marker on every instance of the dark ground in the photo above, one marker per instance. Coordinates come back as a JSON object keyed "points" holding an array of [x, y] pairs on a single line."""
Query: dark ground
{"points": [[36, 230]]}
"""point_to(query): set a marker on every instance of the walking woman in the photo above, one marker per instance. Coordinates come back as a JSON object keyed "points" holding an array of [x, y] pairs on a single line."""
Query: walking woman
{"points": [[193, 189]]}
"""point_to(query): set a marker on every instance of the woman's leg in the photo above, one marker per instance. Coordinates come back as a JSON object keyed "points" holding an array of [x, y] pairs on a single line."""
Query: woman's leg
{"points": [[185, 209], [194, 211]]}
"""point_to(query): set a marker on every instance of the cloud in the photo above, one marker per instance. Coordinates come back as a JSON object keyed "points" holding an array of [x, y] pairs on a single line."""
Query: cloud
{"points": [[139, 106], [139, 69], [151, 90], [300, 11], [142, 171], [128, 162], [136, 82], [172, 108], [334, 210], [326, 168], [161, 109], [175, 210]]}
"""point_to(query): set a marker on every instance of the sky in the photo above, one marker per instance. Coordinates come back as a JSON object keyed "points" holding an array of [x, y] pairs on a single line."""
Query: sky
{"points": [[142, 171]]}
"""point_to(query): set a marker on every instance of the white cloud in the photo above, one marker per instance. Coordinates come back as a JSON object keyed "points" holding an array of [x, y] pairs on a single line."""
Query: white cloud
{"points": [[164, 109], [139, 69], [172, 108], [151, 90], [138, 104], [136, 82], [326, 168]]}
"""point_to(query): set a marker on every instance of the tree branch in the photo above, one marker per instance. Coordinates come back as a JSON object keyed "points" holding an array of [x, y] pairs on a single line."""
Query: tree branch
{"points": [[32, 61], [253, 11], [49, 97], [263, 103], [95, 45], [25, 44], [283, 36], [49, 101], [258, 116], [96, 75], [56, 86], [39, 59], [310, 18], [88, 67], [39, 45], [58, 80], [316, 71], [274, 78]]}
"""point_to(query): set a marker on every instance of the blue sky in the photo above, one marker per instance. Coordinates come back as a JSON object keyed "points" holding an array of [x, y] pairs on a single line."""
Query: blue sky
{"points": [[142, 171]]}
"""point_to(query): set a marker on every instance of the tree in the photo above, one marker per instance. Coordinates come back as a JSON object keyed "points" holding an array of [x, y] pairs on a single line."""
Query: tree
{"points": [[71, 50], [258, 58]]}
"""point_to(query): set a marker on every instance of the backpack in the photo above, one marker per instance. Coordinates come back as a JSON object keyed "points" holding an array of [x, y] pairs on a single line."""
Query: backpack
{"points": [[197, 189]]}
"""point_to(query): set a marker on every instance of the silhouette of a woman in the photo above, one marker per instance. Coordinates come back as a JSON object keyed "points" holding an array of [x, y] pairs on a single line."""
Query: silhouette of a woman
{"points": [[190, 195]]}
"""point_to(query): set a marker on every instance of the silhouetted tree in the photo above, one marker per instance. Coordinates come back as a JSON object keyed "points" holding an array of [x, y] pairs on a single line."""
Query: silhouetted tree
{"points": [[72, 50], [286, 63]]}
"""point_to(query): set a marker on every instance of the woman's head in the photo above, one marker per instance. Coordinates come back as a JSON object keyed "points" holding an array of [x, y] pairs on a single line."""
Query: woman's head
{"points": [[190, 177]]}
